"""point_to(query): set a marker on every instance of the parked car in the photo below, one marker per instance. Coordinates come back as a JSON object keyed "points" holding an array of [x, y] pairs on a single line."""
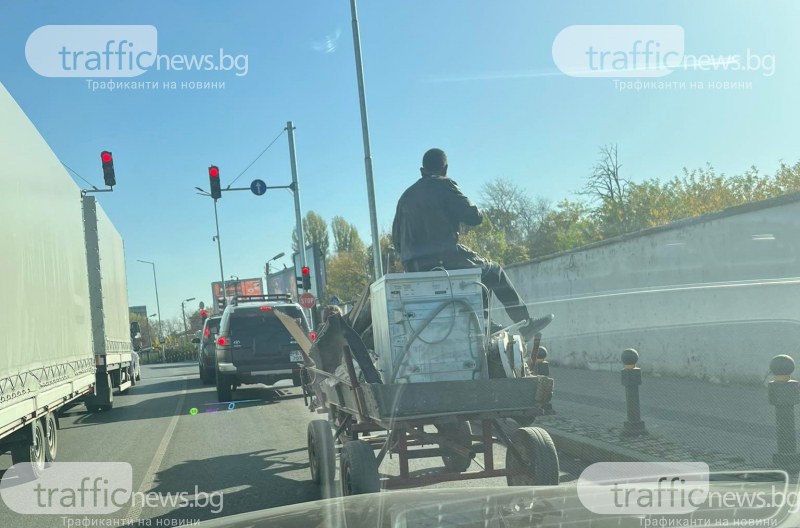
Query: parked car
{"points": [[206, 359], [254, 346]]}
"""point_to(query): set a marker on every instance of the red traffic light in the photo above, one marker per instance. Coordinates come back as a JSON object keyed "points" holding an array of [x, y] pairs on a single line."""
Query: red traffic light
{"points": [[105, 156], [213, 171], [204, 313], [306, 270]]}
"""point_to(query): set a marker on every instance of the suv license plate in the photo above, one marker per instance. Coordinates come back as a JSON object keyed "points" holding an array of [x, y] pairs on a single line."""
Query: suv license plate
{"points": [[295, 356]]}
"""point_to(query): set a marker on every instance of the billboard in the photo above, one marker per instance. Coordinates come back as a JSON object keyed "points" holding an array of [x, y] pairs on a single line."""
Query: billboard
{"points": [[282, 281], [138, 310], [238, 287]]}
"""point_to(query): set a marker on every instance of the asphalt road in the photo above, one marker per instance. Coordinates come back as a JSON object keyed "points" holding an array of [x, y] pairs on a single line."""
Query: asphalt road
{"points": [[176, 438]]}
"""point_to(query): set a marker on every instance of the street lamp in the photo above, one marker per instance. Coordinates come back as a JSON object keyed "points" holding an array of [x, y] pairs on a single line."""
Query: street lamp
{"points": [[266, 267], [158, 306], [183, 311]]}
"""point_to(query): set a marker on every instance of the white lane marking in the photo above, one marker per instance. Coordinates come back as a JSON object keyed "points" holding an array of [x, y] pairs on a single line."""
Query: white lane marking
{"points": [[135, 511]]}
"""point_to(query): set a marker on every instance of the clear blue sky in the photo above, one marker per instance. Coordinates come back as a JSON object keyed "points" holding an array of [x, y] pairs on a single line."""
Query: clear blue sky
{"points": [[476, 78]]}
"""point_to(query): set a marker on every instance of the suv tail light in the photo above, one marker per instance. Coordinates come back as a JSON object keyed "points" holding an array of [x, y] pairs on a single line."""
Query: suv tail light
{"points": [[222, 341], [312, 335]]}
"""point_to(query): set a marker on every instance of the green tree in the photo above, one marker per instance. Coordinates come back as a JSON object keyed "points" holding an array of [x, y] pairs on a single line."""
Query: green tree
{"points": [[347, 275], [315, 230], [511, 210], [345, 236], [571, 224]]}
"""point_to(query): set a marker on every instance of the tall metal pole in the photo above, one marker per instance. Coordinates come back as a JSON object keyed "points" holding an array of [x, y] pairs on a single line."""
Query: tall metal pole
{"points": [[158, 311], [301, 241], [183, 312], [266, 275], [219, 250], [362, 97]]}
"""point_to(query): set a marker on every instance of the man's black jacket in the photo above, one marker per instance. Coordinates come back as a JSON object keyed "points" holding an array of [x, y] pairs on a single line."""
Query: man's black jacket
{"points": [[428, 218]]}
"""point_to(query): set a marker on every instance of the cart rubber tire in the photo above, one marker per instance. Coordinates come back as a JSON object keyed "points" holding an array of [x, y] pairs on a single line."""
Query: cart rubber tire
{"points": [[29, 456], [51, 438], [459, 433], [321, 452], [358, 469], [224, 388], [539, 466]]}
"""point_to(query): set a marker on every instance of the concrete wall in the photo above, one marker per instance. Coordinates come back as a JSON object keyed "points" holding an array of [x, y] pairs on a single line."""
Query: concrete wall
{"points": [[713, 297]]}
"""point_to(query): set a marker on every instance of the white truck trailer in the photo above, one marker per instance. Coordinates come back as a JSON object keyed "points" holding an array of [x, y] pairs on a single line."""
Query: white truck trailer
{"points": [[65, 313]]}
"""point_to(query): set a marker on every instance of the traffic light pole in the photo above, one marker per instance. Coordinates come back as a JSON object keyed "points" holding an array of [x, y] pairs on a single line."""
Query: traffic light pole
{"points": [[219, 249], [301, 241]]}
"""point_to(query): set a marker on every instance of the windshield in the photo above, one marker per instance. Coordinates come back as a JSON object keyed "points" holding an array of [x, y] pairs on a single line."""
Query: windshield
{"points": [[518, 261]]}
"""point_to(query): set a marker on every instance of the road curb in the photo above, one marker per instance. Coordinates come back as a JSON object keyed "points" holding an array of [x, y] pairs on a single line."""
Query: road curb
{"points": [[595, 450]]}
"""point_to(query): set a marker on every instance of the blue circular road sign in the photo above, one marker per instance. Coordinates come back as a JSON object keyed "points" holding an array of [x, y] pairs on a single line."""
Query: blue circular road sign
{"points": [[258, 187]]}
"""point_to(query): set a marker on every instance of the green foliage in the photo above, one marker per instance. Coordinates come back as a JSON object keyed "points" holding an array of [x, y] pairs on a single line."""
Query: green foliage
{"points": [[348, 275], [345, 236], [315, 231]]}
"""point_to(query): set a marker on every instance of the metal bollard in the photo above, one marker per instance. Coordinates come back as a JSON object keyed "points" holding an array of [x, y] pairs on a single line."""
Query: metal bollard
{"points": [[541, 366], [631, 379], [784, 394]]}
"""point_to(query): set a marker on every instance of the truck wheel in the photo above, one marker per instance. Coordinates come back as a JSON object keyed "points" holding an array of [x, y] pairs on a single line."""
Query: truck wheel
{"points": [[359, 469], [132, 375], [460, 434], [29, 456], [224, 388], [321, 453], [51, 438], [538, 465]]}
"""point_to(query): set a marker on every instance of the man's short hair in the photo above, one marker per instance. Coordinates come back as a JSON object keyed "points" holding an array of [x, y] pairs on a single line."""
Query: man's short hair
{"points": [[434, 161]]}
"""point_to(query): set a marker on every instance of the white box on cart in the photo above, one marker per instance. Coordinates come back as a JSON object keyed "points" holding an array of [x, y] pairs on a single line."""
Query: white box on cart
{"points": [[449, 347]]}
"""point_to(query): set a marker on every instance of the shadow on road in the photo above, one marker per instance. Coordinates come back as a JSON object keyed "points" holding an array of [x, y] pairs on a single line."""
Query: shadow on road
{"points": [[164, 406], [242, 483]]}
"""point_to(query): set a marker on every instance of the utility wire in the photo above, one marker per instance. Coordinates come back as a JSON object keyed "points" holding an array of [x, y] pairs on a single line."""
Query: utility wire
{"points": [[78, 175], [257, 157]]}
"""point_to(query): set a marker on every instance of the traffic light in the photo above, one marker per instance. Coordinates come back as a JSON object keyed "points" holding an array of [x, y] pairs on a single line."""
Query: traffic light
{"points": [[204, 315], [221, 304], [213, 180], [108, 168], [306, 278]]}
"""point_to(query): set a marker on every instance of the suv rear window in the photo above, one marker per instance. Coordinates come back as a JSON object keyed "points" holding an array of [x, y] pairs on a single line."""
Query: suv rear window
{"points": [[248, 324]]}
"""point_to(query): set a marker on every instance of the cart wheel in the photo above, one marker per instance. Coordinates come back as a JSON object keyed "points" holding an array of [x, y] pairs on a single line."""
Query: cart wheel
{"points": [[459, 433], [358, 468], [539, 464], [321, 454]]}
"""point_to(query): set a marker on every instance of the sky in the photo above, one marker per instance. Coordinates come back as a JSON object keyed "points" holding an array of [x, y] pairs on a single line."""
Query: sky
{"points": [[475, 78]]}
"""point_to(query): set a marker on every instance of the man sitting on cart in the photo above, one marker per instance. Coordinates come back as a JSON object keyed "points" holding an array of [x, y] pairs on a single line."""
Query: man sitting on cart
{"points": [[425, 232]]}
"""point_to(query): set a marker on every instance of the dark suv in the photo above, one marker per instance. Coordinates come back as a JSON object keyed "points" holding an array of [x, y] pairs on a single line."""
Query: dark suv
{"points": [[206, 355], [253, 346]]}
